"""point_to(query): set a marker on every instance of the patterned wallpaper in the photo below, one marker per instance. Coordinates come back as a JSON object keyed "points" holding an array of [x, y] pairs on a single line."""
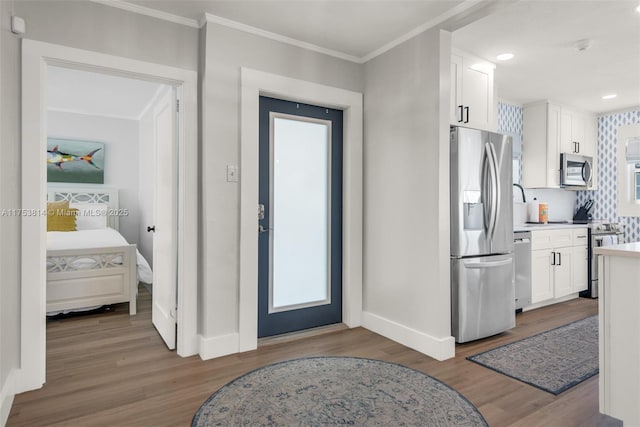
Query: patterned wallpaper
{"points": [[510, 121], [605, 197]]}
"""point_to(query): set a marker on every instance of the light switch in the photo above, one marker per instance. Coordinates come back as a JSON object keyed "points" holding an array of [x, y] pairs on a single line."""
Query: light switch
{"points": [[232, 173]]}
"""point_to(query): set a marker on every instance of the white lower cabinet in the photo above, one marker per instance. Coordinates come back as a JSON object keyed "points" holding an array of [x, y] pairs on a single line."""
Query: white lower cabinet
{"points": [[558, 263]]}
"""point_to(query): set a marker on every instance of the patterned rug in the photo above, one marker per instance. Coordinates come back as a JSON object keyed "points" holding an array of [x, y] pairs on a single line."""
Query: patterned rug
{"points": [[553, 361], [322, 391]]}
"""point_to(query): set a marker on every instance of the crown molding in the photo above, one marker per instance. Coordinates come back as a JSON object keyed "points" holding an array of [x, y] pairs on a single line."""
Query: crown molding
{"points": [[460, 9], [154, 13], [280, 38], [467, 4]]}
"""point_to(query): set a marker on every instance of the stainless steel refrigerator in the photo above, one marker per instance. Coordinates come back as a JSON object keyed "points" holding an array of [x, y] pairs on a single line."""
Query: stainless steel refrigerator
{"points": [[482, 275]]}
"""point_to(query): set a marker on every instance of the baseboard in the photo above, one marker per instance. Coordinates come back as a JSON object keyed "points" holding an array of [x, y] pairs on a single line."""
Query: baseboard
{"points": [[213, 347], [551, 302], [438, 348], [6, 397]]}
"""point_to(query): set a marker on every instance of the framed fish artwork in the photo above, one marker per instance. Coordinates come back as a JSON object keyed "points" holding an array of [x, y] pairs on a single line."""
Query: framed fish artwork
{"points": [[75, 161]]}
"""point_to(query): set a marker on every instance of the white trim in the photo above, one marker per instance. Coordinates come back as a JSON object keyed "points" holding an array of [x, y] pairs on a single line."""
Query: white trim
{"points": [[229, 23], [7, 393], [36, 56], [438, 348], [147, 11], [84, 113], [551, 302], [280, 38], [625, 198], [151, 102], [253, 84], [462, 7], [211, 348]]}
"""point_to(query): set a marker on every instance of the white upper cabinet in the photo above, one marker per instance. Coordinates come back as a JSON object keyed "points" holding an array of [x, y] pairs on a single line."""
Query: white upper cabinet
{"points": [[541, 145], [473, 102], [548, 130]]}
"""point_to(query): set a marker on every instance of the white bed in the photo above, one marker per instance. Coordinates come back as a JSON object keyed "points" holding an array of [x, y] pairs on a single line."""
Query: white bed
{"points": [[92, 267]]}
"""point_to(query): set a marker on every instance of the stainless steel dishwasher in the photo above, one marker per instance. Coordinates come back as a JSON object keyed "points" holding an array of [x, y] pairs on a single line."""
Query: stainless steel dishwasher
{"points": [[522, 268]]}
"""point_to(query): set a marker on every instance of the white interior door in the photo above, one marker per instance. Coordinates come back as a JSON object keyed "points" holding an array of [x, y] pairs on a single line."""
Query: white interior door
{"points": [[165, 251]]}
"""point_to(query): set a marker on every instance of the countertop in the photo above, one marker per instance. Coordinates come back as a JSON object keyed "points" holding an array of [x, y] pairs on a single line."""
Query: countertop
{"points": [[554, 226], [623, 249]]}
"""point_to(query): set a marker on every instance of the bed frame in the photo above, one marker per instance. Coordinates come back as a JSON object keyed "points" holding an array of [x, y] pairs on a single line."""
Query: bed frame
{"points": [[109, 282]]}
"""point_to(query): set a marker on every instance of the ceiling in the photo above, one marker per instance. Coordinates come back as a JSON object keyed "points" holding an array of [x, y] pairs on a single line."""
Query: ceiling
{"points": [[541, 33], [98, 94], [355, 28], [547, 65]]}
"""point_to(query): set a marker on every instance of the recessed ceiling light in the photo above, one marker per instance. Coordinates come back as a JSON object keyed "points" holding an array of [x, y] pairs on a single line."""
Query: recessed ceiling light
{"points": [[505, 56], [613, 95], [638, 9]]}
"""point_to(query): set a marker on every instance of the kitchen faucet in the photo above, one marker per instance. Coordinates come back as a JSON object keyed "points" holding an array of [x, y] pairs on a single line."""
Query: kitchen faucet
{"points": [[524, 199]]}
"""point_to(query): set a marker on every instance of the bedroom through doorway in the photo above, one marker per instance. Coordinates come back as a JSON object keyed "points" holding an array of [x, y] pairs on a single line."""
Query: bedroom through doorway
{"points": [[111, 221]]}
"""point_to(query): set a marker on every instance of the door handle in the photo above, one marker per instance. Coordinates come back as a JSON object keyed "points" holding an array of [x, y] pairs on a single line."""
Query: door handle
{"points": [[461, 107], [559, 258], [150, 229], [261, 229], [554, 259], [578, 143], [466, 109]]}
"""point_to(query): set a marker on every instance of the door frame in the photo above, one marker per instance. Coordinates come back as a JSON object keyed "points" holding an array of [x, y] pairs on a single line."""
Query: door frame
{"points": [[254, 84], [36, 56]]}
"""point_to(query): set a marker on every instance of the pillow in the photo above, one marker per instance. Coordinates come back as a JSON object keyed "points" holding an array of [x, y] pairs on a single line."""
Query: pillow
{"points": [[53, 206], [91, 216], [63, 219]]}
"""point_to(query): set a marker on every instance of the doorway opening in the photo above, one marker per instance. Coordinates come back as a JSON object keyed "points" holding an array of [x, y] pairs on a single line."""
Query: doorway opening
{"points": [[36, 58], [111, 150]]}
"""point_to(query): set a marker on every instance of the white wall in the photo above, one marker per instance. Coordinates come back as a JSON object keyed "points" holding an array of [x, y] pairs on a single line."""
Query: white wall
{"points": [[9, 199], [406, 254], [121, 163], [84, 25], [562, 203], [225, 51]]}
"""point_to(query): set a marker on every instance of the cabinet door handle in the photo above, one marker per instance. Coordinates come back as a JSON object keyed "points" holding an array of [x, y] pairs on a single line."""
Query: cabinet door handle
{"points": [[466, 109], [554, 259], [461, 107], [559, 258], [578, 146]]}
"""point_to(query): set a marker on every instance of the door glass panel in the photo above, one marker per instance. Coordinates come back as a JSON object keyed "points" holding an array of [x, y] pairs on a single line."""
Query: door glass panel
{"points": [[300, 213]]}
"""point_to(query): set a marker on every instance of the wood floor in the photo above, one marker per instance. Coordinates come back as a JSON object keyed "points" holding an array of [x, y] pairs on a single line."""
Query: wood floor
{"points": [[112, 369]]}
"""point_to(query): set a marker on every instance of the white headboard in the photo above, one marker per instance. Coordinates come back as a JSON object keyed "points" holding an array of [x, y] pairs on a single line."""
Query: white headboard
{"points": [[79, 193]]}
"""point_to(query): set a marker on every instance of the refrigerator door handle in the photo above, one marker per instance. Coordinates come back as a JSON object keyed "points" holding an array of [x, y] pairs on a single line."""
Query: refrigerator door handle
{"points": [[496, 183], [487, 264], [492, 189]]}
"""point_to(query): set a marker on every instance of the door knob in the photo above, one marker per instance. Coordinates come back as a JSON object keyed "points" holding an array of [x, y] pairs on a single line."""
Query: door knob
{"points": [[150, 229]]}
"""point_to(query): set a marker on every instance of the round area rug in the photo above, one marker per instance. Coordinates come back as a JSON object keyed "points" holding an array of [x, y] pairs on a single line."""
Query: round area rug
{"points": [[337, 391]]}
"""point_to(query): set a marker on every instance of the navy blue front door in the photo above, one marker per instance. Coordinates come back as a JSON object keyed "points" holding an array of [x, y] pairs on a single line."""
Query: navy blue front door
{"points": [[300, 227]]}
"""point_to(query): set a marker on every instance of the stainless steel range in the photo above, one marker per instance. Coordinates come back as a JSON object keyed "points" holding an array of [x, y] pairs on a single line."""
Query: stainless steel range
{"points": [[601, 233]]}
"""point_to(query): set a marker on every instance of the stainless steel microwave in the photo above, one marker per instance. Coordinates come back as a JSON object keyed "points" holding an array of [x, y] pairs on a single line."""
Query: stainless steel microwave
{"points": [[575, 170]]}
